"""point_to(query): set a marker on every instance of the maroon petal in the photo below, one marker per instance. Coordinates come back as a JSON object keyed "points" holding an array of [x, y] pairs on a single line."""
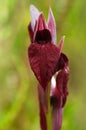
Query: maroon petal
{"points": [[58, 100], [63, 77], [61, 84], [43, 60], [60, 92], [63, 62], [41, 24]]}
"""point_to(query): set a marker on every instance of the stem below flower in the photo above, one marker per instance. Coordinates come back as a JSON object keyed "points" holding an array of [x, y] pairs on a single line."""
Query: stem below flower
{"points": [[48, 112]]}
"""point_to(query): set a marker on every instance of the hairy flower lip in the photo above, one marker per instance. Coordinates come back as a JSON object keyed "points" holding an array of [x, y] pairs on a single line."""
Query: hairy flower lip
{"points": [[43, 60], [44, 69]]}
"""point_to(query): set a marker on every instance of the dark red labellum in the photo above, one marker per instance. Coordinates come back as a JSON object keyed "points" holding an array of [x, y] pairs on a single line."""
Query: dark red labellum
{"points": [[43, 60]]}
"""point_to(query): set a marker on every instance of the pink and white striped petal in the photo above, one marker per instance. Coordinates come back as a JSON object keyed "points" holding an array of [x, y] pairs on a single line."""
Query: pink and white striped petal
{"points": [[34, 12], [52, 25], [53, 86]]}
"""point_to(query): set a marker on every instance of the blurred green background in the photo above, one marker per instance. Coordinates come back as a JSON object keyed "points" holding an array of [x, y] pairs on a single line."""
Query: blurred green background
{"points": [[18, 86]]}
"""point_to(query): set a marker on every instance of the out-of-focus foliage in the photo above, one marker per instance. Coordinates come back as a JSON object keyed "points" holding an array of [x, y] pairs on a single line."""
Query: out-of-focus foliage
{"points": [[18, 86]]}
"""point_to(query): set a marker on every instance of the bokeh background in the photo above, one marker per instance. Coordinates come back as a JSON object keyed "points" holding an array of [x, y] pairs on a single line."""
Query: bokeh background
{"points": [[18, 86]]}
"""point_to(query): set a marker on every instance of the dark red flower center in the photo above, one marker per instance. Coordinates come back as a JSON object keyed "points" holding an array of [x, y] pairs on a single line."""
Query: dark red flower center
{"points": [[43, 36]]}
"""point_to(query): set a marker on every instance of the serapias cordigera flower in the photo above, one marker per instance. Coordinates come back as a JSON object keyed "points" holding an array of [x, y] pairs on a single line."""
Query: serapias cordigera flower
{"points": [[46, 60]]}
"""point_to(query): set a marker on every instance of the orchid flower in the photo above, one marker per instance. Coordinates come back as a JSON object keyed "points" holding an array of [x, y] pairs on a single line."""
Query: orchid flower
{"points": [[46, 59]]}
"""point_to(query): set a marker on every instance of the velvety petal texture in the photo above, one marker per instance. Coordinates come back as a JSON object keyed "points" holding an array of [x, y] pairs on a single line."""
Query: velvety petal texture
{"points": [[43, 60]]}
